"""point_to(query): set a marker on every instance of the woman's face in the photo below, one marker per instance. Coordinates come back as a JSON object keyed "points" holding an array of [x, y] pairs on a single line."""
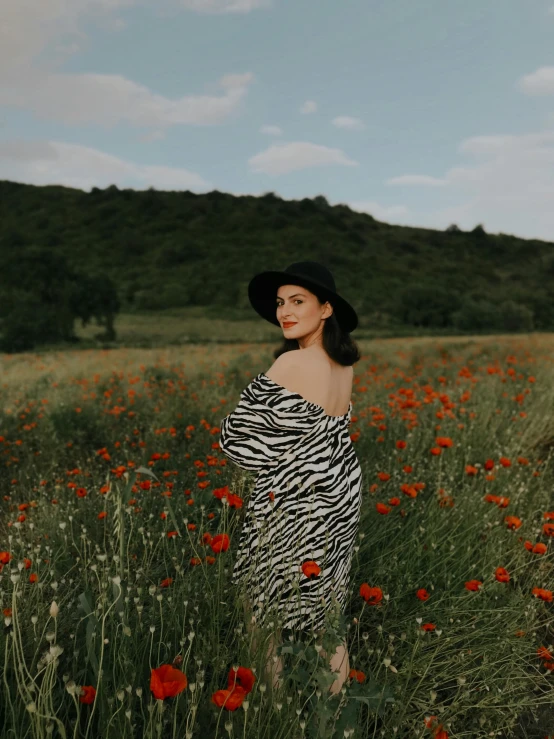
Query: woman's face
{"points": [[298, 306]]}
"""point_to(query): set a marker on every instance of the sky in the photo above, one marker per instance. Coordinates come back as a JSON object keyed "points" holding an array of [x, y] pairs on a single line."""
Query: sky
{"points": [[420, 113]]}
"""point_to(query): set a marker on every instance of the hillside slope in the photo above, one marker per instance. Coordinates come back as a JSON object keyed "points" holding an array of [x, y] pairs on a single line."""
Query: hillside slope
{"points": [[170, 249]]}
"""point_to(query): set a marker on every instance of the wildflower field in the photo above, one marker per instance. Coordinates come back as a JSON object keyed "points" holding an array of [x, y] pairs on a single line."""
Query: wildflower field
{"points": [[119, 515]]}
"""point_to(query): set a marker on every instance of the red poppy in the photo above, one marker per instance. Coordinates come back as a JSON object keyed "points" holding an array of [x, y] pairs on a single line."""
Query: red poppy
{"points": [[220, 543], [229, 699], [513, 522], [311, 569], [422, 594], [166, 682], [501, 574], [243, 677], [543, 653], [538, 548], [219, 493], [543, 594], [371, 595], [382, 508], [234, 501], [88, 694]]}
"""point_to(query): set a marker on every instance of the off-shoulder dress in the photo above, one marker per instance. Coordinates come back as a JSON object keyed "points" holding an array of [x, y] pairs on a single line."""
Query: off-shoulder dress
{"points": [[301, 520]]}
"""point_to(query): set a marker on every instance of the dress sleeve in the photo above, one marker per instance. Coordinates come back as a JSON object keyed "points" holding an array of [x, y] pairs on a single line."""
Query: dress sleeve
{"points": [[264, 426]]}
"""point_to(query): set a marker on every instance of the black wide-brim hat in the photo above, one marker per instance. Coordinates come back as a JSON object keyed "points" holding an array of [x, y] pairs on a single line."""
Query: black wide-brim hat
{"points": [[262, 291]]}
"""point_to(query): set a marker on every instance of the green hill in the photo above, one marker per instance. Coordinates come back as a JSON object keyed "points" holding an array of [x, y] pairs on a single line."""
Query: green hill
{"points": [[176, 249]]}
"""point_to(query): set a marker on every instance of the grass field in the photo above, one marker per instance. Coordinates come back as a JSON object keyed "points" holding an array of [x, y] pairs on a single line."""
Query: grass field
{"points": [[117, 505], [228, 325]]}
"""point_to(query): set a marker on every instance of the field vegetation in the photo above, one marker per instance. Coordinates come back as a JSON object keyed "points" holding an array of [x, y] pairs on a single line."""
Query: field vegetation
{"points": [[119, 516]]}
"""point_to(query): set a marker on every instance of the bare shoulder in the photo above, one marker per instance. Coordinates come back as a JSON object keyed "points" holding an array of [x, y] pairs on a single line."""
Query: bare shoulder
{"points": [[302, 372], [286, 368]]}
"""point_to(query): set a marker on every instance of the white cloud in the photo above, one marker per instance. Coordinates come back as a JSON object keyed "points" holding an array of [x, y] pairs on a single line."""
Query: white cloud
{"points": [[551, 10], [416, 179], [512, 145], [388, 213], [28, 27], [345, 121], [309, 107], [56, 162], [224, 6], [284, 158], [508, 187], [236, 81], [37, 36], [108, 99], [272, 130], [539, 82], [487, 144]]}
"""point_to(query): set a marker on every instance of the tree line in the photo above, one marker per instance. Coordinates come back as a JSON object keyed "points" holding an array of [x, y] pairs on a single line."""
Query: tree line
{"points": [[68, 255]]}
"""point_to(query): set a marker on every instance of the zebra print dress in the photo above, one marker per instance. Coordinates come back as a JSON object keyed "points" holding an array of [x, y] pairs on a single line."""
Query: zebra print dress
{"points": [[301, 519]]}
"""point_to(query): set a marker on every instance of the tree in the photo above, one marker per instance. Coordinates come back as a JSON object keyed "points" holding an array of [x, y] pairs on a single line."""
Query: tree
{"points": [[427, 305], [95, 296], [479, 231], [516, 316], [321, 202], [477, 314], [42, 296]]}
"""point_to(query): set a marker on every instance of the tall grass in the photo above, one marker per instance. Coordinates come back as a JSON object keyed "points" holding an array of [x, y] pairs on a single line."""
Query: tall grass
{"points": [[113, 487]]}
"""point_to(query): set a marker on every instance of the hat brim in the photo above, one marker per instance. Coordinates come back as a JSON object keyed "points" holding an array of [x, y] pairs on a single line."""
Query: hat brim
{"points": [[262, 290]]}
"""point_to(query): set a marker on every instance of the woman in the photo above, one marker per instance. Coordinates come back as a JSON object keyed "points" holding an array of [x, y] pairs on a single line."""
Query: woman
{"points": [[291, 426]]}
